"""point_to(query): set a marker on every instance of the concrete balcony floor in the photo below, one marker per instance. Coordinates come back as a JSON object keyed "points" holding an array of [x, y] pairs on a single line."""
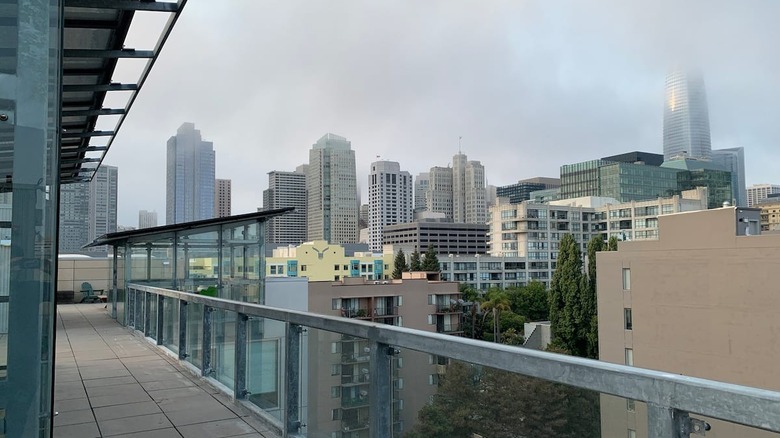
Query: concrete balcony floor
{"points": [[111, 382]]}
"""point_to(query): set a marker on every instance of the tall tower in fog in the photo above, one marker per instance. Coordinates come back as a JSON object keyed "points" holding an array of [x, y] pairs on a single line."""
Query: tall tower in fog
{"points": [[686, 119], [190, 177]]}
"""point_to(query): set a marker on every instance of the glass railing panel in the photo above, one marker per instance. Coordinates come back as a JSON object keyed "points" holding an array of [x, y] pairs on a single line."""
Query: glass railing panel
{"points": [[335, 383], [130, 306], [170, 334], [195, 334], [3, 337], [223, 346], [464, 399], [138, 310], [265, 364]]}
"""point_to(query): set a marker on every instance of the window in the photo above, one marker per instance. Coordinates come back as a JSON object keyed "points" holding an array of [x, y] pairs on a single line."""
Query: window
{"points": [[303, 268], [335, 414], [335, 278], [627, 318], [336, 304], [335, 369], [631, 433], [346, 267], [626, 278], [335, 392], [336, 267], [631, 405], [630, 356]]}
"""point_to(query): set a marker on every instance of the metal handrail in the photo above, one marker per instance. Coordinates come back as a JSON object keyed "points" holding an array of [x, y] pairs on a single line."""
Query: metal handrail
{"points": [[667, 394]]}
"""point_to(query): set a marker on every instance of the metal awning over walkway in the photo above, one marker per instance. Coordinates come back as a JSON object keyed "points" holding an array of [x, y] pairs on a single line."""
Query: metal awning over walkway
{"points": [[94, 38]]}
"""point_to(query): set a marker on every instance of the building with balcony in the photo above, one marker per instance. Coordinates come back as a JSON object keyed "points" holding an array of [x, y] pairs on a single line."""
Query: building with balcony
{"points": [[343, 361], [698, 301], [321, 261], [445, 237], [770, 214]]}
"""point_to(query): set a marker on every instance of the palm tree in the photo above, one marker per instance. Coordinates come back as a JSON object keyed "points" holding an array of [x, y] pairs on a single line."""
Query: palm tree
{"points": [[497, 302]]}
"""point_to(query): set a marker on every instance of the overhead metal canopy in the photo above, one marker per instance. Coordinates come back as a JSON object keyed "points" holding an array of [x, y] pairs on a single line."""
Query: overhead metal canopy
{"points": [[93, 41]]}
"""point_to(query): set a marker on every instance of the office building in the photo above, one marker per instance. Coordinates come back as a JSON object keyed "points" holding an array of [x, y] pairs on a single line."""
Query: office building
{"points": [[521, 191], [700, 301], [633, 176], [190, 177], [733, 160], [757, 193], [286, 189], [390, 199], [445, 237], [694, 173], [469, 199], [332, 208], [222, 197], [686, 118], [421, 184], [323, 261], [438, 197], [88, 210], [363, 218], [147, 219]]}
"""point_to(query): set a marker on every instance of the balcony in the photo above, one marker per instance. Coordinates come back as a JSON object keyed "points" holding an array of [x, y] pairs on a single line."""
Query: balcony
{"points": [[220, 374], [356, 313], [449, 308]]}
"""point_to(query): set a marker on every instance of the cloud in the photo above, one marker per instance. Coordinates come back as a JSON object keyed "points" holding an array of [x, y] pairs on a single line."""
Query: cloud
{"points": [[528, 85]]}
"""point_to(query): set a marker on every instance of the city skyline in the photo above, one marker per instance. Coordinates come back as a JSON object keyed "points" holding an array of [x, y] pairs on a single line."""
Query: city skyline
{"points": [[544, 82]]}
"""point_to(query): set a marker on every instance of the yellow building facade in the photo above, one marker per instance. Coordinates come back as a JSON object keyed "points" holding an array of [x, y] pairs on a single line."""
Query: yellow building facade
{"points": [[323, 261]]}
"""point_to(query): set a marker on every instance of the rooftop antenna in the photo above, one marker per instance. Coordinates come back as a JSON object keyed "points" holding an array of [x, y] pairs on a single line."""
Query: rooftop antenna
{"points": [[459, 139]]}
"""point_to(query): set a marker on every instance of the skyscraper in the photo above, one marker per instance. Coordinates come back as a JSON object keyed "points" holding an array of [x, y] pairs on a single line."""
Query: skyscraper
{"points": [[222, 197], [390, 199], [147, 219], [88, 210], [331, 183], [686, 118], [458, 192], [286, 189], [733, 159], [420, 187], [190, 177]]}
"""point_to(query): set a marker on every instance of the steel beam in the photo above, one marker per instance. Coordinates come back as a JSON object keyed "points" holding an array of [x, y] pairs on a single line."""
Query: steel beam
{"points": [[91, 53], [380, 391], [293, 379], [124, 5], [94, 112], [205, 344], [182, 330], [239, 379], [66, 135], [99, 87]]}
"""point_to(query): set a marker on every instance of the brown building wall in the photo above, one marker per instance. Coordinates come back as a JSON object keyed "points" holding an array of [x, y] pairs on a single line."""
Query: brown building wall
{"points": [[704, 303]]}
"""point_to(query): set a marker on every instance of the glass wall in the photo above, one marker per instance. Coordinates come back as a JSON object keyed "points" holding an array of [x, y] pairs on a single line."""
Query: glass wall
{"points": [[29, 187]]}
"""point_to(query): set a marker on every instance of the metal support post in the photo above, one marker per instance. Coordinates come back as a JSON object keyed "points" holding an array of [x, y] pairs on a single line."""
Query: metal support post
{"points": [[239, 390], [160, 318], [292, 370], [114, 286], [205, 368], [182, 330], [380, 398], [664, 422], [146, 314]]}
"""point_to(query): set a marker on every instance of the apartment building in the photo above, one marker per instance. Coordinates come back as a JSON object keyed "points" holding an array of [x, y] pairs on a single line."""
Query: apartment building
{"points": [[322, 261], [445, 237], [770, 214], [757, 193], [697, 301], [339, 379]]}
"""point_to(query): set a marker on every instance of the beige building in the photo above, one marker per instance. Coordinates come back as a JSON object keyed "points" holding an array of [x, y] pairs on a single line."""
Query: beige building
{"points": [[701, 301], [770, 215], [338, 379], [321, 261], [222, 197]]}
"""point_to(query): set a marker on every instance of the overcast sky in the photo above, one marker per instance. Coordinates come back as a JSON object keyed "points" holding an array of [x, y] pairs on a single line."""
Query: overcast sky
{"points": [[529, 85]]}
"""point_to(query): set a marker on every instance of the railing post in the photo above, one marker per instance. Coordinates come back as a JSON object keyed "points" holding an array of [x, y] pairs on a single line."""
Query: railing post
{"points": [[205, 368], [663, 422], [239, 380], [292, 371], [380, 398], [160, 318], [114, 286], [182, 330], [146, 314]]}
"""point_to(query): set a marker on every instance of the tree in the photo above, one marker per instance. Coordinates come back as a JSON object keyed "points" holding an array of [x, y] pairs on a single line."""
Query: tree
{"points": [[400, 265], [530, 302], [431, 261], [498, 404], [590, 325], [612, 244], [497, 301], [565, 298], [416, 264]]}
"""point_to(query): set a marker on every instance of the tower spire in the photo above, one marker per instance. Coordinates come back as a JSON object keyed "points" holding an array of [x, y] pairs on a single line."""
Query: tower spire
{"points": [[459, 139]]}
